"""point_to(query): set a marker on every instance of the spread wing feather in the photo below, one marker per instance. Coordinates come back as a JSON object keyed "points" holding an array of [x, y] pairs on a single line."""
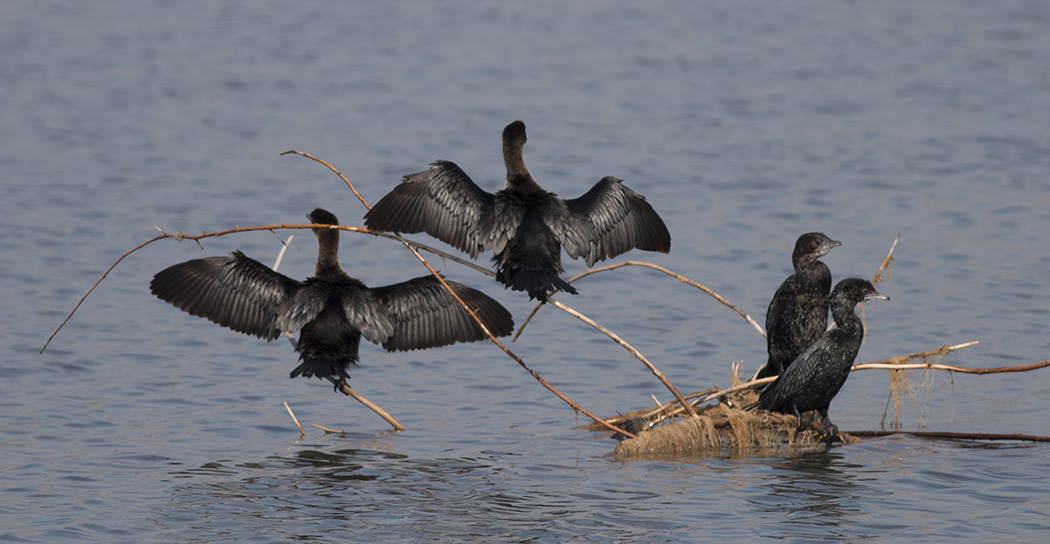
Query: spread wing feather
{"points": [[441, 201], [425, 315], [236, 292], [621, 220]]}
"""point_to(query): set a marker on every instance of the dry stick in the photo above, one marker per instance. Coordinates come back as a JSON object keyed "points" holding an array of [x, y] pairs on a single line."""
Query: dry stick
{"points": [[659, 268], [179, 236], [470, 311], [899, 362], [106, 273], [511, 354], [886, 363], [332, 168], [284, 248], [348, 391], [963, 436], [325, 429], [656, 372], [952, 368], [295, 419], [885, 262], [707, 396]]}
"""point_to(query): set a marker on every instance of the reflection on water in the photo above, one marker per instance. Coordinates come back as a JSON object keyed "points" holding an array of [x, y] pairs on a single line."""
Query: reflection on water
{"points": [[814, 491]]}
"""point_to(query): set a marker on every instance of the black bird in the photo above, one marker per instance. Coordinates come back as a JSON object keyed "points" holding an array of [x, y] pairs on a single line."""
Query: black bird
{"points": [[331, 309], [817, 375], [523, 224], [798, 313]]}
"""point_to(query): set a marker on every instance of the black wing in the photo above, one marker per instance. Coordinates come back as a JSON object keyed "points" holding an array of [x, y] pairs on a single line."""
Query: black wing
{"points": [[441, 201], [236, 292], [808, 380], [622, 220], [425, 315], [781, 319]]}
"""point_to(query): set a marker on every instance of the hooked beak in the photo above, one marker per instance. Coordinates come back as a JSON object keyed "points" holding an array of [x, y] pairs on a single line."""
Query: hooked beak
{"points": [[824, 248], [876, 296]]}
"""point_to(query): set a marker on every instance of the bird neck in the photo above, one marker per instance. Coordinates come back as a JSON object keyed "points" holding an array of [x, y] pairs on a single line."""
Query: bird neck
{"points": [[518, 175], [804, 261], [842, 311], [327, 265]]}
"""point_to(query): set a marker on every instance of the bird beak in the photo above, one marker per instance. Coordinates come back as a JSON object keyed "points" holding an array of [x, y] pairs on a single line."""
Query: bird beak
{"points": [[876, 296], [823, 249]]}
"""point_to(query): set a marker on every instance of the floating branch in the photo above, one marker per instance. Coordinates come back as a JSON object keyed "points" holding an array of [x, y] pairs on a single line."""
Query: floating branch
{"points": [[669, 410], [656, 372], [957, 436], [469, 310]]}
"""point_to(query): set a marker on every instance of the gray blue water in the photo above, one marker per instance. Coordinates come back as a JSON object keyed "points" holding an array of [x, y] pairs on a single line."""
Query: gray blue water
{"points": [[745, 124]]}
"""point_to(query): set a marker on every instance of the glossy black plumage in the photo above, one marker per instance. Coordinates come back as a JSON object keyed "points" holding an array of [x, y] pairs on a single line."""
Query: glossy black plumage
{"points": [[332, 310], [523, 224], [798, 313], [817, 375]]}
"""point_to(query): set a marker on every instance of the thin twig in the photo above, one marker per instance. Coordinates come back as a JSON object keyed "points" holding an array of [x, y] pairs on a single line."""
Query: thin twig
{"points": [[332, 168], [656, 372], [886, 262], [104, 274], [346, 390], [887, 363], [953, 435], [179, 236], [284, 248], [295, 419], [469, 310], [510, 353], [735, 388], [325, 429], [953, 368], [895, 362], [658, 268]]}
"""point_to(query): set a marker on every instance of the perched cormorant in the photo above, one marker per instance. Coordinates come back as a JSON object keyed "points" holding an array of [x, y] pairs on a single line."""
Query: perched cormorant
{"points": [[523, 224], [332, 309], [816, 376], [798, 313]]}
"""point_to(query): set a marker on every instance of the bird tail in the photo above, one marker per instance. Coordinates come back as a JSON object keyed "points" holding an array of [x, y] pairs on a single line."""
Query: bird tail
{"points": [[322, 367], [537, 283]]}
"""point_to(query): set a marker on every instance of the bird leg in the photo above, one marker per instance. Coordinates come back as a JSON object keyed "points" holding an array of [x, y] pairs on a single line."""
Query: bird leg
{"points": [[827, 432], [805, 422]]}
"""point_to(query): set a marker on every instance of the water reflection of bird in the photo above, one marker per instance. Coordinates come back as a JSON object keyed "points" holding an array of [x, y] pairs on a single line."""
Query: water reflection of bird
{"points": [[817, 375], [798, 313], [331, 309], [523, 224]]}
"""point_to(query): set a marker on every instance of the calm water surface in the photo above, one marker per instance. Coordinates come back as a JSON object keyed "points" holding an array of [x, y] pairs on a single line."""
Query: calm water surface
{"points": [[745, 124]]}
